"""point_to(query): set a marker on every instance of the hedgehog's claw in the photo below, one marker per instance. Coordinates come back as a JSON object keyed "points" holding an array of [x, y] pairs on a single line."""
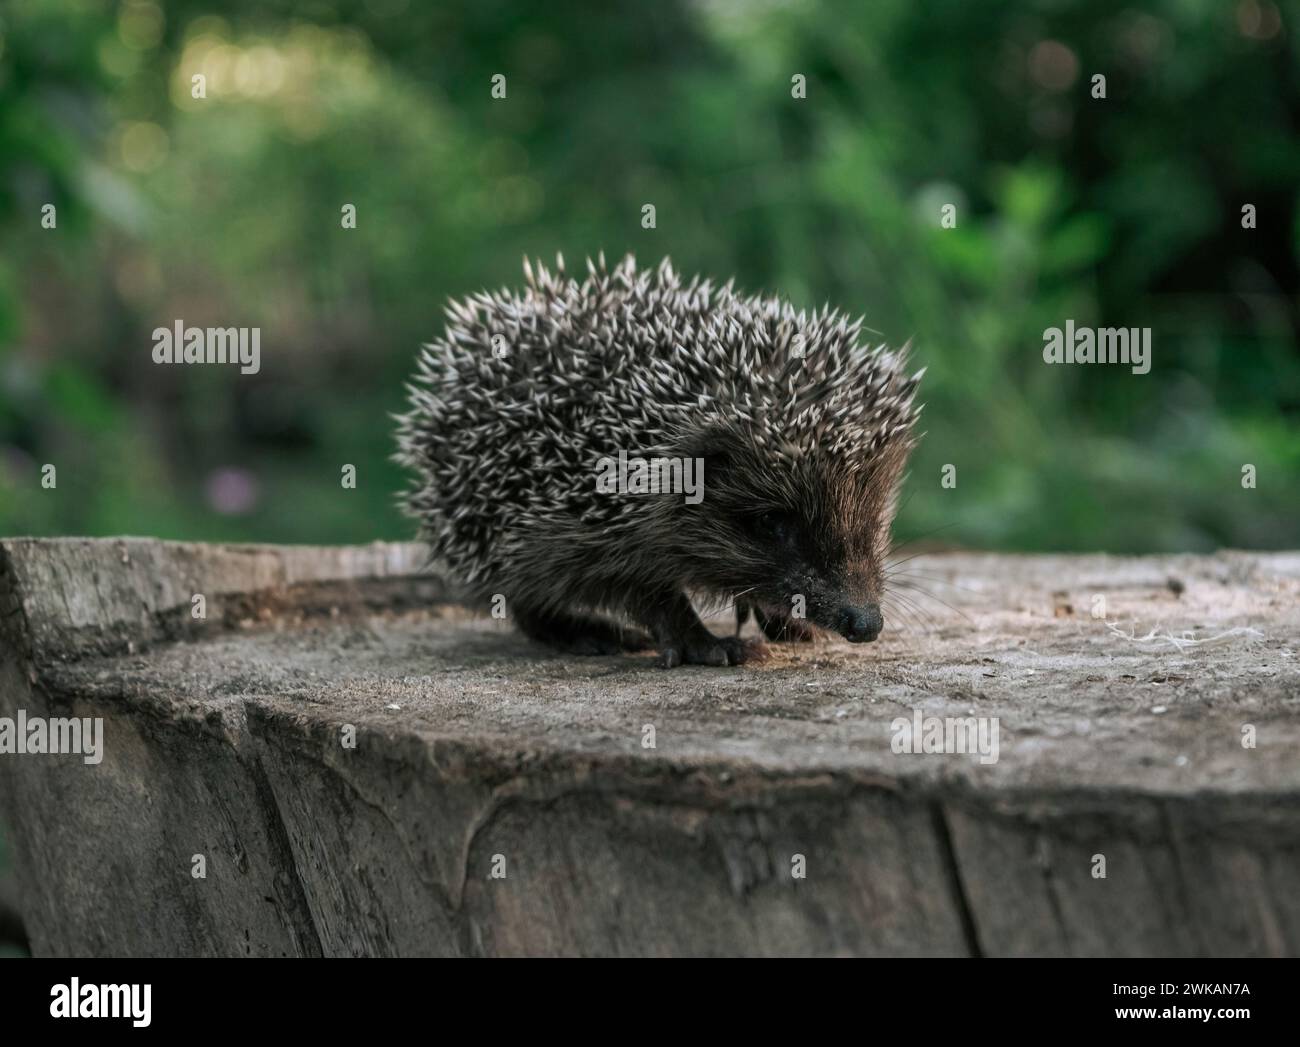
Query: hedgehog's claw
{"points": [[684, 639], [708, 649]]}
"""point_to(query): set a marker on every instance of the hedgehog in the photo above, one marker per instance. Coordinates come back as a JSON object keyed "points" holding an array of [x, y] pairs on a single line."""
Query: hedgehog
{"points": [[796, 430]]}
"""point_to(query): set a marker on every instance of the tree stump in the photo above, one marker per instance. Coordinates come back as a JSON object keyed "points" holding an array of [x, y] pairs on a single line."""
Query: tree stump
{"points": [[326, 754]]}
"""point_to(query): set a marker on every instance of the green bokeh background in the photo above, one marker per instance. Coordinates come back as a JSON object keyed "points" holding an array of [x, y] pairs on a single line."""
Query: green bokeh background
{"points": [[226, 211]]}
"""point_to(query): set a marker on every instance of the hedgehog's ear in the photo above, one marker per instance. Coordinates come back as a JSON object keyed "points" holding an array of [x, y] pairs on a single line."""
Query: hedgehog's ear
{"points": [[725, 454], [719, 445]]}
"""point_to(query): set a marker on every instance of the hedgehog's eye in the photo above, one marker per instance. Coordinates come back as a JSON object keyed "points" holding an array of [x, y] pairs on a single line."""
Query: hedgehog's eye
{"points": [[775, 526]]}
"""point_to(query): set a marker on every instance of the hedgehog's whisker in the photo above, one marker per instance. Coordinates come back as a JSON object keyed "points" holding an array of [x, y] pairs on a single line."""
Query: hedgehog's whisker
{"points": [[924, 615], [892, 564], [923, 534], [907, 591], [901, 601], [929, 578], [896, 610], [921, 591]]}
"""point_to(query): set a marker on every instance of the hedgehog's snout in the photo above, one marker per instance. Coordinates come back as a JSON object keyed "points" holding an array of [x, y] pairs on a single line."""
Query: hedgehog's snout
{"points": [[859, 624]]}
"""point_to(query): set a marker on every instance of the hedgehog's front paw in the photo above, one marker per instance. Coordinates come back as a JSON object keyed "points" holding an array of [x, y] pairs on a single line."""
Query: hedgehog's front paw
{"points": [[707, 649]]}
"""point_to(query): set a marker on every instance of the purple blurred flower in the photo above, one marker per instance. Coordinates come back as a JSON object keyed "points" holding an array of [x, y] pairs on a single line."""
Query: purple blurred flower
{"points": [[231, 490]]}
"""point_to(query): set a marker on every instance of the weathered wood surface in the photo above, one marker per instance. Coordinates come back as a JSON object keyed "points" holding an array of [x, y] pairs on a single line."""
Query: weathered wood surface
{"points": [[479, 751]]}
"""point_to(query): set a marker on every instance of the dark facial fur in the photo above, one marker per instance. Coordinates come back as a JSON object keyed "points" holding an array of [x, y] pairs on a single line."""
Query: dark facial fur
{"points": [[804, 540], [804, 433]]}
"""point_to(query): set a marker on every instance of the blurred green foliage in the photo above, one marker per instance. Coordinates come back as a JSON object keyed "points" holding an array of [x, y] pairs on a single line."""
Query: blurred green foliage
{"points": [[226, 211]]}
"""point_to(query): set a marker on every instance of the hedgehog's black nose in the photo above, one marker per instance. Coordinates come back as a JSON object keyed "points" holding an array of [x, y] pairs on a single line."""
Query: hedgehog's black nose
{"points": [[860, 624]]}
